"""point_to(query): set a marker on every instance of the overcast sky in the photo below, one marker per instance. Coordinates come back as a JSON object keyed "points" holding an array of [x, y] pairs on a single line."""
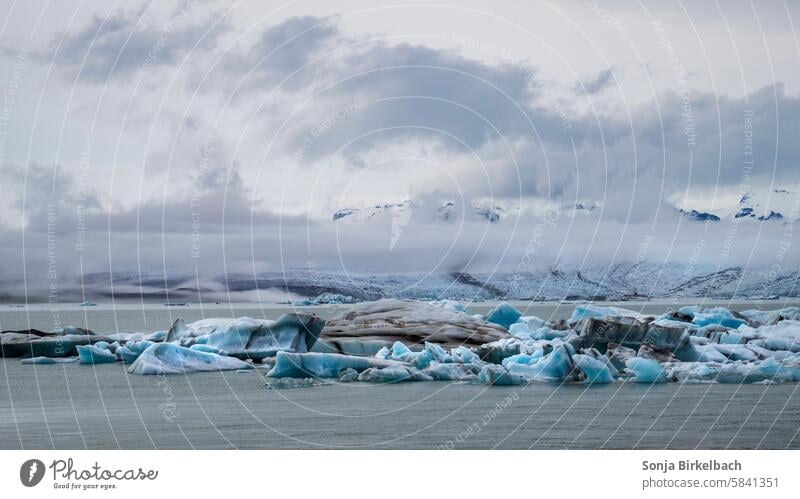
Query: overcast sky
{"points": [[223, 135]]}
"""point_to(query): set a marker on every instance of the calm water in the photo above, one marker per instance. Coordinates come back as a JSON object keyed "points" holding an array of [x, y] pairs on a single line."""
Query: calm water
{"points": [[106, 318], [73, 406]]}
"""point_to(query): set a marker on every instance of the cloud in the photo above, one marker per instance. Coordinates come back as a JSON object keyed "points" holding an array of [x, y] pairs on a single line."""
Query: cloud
{"points": [[125, 42]]}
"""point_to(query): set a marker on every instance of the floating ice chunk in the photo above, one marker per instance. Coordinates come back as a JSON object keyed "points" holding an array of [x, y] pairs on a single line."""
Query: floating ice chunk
{"points": [[41, 361], [437, 353], [383, 353], [554, 367], [784, 335], [504, 315], [496, 351], [157, 336], [96, 354], [347, 375], [594, 371], [646, 370], [764, 353], [736, 352], [585, 311], [32, 343], [450, 305], [522, 331], [288, 383], [453, 372], [618, 355], [492, 374], [532, 322], [169, 358], [694, 372], [129, 352], [656, 354], [248, 338], [464, 355], [595, 354], [754, 372], [771, 317], [524, 358], [393, 374], [716, 315], [707, 353], [733, 337], [321, 365]]}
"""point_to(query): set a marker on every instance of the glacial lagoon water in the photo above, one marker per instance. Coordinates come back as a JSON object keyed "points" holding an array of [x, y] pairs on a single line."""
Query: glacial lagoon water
{"points": [[71, 406]]}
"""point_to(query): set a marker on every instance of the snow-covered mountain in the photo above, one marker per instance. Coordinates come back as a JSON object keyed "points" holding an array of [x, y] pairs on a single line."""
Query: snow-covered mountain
{"points": [[773, 206], [446, 212]]}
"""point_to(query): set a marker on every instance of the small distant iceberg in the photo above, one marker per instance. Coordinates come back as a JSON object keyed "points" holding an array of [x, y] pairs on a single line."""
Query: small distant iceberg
{"points": [[176, 304], [88, 303]]}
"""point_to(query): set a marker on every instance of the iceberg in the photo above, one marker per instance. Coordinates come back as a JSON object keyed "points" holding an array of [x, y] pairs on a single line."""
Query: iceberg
{"points": [[98, 353], [716, 315], [618, 355], [504, 315], [41, 361], [464, 355], [582, 312], [366, 327], [453, 372], [771, 317], [170, 358], [784, 335], [646, 370], [493, 374], [532, 322], [131, 350], [744, 373], [34, 343], [393, 374], [287, 383], [555, 367], [247, 338], [594, 371], [322, 365], [348, 375], [694, 372]]}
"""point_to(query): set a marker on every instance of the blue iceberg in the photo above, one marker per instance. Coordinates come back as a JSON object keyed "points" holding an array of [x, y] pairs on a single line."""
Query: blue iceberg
{"points": [[646, 370], [594, 371], [321, 365], [504, 315], [169, 358], [99, 353], [393, 374]]}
